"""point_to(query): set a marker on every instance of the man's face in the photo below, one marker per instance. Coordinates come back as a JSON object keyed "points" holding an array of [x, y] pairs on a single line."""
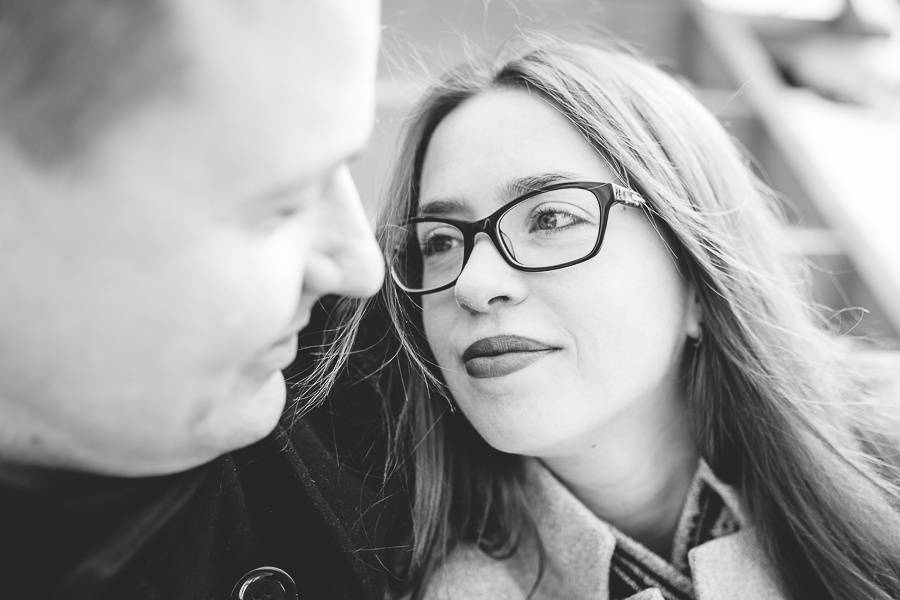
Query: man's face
{"points": [[149, 300]]}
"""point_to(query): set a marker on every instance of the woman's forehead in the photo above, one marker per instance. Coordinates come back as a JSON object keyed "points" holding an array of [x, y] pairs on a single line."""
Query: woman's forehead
{"points": [[502, 143]]}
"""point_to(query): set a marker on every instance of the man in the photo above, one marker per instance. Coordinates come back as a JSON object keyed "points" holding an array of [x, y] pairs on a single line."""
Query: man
{"points": [[174, 202]]}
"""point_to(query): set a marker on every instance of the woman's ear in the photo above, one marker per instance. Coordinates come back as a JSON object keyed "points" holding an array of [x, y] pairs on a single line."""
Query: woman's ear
{"points": [[693, 315]]}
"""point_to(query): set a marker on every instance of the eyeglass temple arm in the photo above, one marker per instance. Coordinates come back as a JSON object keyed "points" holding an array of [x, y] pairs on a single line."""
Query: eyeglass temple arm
{"points": [[627, 197]]}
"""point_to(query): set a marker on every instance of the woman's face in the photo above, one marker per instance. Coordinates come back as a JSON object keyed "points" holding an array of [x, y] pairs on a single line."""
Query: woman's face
{"points": [[603, 338]]}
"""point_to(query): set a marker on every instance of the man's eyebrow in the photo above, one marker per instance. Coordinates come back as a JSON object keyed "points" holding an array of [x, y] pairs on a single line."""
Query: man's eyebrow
{"points": [[280, 191], [288, 188], [513, 188]]}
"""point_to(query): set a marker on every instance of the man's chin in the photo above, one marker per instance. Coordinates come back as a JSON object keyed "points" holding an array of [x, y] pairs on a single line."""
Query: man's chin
{"points": [[157, 444], [236, 422], [254, 416]]}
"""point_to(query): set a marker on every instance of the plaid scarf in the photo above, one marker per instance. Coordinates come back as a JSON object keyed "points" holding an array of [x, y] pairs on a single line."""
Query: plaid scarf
{"points": [[634, 568]]}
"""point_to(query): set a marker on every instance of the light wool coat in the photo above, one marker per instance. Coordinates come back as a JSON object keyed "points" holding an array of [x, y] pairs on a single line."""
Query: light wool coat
{"points": [[579, 548]]}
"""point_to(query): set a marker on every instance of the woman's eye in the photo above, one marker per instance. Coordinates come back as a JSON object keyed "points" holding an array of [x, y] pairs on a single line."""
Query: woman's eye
{"points": [[553, 219], [438, 243]]}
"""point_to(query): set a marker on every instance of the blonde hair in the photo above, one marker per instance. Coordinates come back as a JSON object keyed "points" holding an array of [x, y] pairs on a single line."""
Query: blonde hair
{"points": [[778, 408]]}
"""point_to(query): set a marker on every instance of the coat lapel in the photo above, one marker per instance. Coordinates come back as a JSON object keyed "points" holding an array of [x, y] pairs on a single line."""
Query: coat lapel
{"points": [[578, 545], [733, 567]]}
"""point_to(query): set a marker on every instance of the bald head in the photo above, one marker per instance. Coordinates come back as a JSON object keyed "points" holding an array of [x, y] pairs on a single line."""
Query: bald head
{"points": [[70, 68]]}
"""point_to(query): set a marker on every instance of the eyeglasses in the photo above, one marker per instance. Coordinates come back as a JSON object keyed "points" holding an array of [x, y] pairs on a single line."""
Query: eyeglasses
{"points": [[557, 226]]}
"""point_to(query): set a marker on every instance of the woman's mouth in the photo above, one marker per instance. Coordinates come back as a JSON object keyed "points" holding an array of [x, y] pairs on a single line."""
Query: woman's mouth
{"points": [[502, 355]]}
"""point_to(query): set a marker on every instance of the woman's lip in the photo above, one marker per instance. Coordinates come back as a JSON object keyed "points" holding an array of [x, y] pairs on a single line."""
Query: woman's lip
{"points": [[502, 355], [502, 344], [499, 365]]}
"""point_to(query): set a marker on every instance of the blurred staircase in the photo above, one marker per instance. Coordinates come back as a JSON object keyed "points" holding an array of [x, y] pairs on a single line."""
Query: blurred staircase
{"points": [[842, 220]]}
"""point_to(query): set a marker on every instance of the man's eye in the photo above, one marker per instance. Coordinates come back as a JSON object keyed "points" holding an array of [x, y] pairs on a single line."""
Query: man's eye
{"points": [[287, 212]]}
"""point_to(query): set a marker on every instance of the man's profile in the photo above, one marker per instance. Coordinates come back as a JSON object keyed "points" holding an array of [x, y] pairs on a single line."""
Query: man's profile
{"points": [[175, 200]]}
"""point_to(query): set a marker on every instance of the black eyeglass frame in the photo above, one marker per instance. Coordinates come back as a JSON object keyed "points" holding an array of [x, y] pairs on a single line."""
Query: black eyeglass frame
{"points": [[606, 193]]}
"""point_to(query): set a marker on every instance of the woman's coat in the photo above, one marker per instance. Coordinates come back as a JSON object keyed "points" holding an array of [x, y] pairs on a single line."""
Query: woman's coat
{"points": [[582, 562]]}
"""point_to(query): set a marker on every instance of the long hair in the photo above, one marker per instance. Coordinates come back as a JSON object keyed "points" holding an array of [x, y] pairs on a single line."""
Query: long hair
{"points": [[777, 406]]}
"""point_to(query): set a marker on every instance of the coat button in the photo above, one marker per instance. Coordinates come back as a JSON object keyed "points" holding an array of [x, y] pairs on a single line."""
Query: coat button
{"points": [[265, 583]]}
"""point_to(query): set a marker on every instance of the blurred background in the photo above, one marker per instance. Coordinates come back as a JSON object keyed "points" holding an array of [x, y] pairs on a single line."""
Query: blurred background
{"points": [[810, 88]]}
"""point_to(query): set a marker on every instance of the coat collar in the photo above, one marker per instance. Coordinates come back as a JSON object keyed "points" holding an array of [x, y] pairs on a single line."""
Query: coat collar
{"points": [[579, 547]]}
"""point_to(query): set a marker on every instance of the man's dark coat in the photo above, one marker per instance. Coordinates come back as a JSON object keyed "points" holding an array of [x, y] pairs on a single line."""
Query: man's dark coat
{"points": [[285, 502]]}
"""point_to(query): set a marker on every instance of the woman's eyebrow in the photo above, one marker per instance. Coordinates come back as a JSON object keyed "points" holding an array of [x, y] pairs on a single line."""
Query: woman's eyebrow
{"points": [[441, 207], [531, 183]]}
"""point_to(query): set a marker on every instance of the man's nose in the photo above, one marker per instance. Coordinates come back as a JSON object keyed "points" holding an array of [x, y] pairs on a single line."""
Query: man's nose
{"points": [[348, 261]]}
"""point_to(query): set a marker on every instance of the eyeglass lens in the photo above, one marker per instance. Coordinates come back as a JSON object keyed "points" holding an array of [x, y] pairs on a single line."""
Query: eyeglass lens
{"points": [[546, 230]]}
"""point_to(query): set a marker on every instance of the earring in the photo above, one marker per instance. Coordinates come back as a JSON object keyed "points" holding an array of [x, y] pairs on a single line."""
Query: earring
{"points": [[696, 341]]}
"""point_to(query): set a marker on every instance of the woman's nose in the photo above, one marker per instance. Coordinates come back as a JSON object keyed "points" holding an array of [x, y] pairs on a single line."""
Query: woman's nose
{"points": [[487, 281]]}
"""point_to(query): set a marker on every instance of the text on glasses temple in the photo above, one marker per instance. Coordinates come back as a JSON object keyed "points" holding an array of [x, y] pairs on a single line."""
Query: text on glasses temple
{"points": [[628, 197]]}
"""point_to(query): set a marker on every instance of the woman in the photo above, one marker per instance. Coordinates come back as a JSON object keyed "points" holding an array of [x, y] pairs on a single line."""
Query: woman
{"points": [[606, 378]]}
